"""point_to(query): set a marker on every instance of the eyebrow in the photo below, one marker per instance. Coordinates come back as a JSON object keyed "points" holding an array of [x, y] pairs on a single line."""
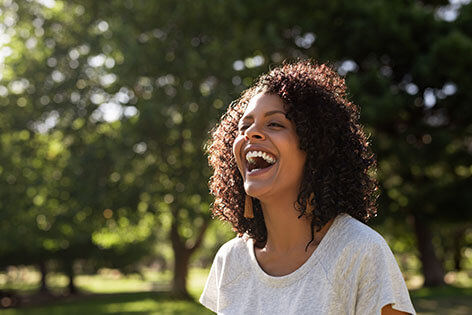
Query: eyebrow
{"points": [[272, 112]]}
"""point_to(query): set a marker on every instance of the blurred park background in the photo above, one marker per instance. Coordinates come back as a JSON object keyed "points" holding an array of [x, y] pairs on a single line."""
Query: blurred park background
{"points": [[105, 107]]}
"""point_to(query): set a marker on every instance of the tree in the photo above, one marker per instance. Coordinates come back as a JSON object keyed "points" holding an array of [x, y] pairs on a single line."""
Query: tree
{"points": [[60, 163], [119, 98]]}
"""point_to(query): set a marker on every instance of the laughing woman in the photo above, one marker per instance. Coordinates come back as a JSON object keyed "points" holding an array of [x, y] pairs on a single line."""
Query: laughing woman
{"points": [[293, 175]]}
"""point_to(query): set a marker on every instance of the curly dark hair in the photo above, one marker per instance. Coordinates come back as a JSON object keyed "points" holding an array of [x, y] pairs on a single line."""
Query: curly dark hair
{"points": [[339, 166]]}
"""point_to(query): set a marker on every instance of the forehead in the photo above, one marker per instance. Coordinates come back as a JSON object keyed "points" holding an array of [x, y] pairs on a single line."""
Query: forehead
{"points": [[262, 103]]}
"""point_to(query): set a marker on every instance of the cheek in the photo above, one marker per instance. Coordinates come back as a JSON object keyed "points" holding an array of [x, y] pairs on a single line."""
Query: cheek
{"points": [[301, 157], [297, 166], [303, 160], [298, 156]]}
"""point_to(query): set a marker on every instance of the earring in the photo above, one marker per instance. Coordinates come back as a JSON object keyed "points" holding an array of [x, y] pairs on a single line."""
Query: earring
{"points": [[248, 209], [309, 207]]}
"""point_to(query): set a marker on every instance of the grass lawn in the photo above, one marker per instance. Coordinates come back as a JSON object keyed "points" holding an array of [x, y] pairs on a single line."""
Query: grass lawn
{"points": [[444, 300], [115, 303], [115, 294]]}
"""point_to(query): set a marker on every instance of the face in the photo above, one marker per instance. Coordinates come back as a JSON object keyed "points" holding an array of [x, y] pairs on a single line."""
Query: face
{"points": [[267, 149]]}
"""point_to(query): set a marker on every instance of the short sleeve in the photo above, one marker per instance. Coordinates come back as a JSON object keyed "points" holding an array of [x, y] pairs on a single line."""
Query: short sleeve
{"points": [[209, 297], [226, 269], [381, 282]]}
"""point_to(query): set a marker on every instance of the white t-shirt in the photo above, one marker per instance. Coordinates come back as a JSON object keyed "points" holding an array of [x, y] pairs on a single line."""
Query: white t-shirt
{"points": [[352, 271]]}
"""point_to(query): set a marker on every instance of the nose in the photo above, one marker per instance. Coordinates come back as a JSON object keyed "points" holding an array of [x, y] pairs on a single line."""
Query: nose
{"points": [[252, 133]]}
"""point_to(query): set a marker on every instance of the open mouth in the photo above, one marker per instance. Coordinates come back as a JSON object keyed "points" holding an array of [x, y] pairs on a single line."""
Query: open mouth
{"points": [[258, 160]]}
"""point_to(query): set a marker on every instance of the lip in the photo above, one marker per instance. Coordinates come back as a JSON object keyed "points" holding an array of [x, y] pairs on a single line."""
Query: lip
{"points": [[258, 171]]}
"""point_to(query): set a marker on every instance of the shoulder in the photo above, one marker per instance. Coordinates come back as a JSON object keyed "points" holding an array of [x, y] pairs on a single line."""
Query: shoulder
{"points": [[226, 269], [232, 248], [357, 235], [369, 264], [231, 260], [360, 256], [354, 245]]}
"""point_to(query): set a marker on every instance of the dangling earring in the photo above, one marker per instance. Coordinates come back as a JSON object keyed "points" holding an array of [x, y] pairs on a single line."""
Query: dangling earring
{"points": [[309, 207], [248, 209]]}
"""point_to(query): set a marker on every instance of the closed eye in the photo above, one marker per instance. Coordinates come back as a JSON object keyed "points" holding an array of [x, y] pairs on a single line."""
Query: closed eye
{"points": [[243, 127], [274, 124]]}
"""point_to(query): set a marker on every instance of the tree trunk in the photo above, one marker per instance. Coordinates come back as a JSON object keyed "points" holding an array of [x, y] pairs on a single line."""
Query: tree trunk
{"points": [[182, 254], [179, 282], [43, 270], [432, 269], [69, 266], [458, 242]]}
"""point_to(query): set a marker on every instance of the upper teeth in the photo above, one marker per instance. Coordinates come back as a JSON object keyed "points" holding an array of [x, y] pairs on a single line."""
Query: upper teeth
{"points": [[252, 154]]}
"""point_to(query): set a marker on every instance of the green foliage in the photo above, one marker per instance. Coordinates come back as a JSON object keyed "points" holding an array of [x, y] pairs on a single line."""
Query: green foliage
{"points": [[105, 108]]}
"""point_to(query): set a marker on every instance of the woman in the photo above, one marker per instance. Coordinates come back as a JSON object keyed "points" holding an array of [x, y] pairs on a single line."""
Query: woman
{"points": [[293, 175]]}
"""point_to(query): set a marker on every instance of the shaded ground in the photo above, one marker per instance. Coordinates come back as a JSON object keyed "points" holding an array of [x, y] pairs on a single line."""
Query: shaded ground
{"points": [[443, 300], [446, 305], [108, 294], [136, 303], [447, 300]]}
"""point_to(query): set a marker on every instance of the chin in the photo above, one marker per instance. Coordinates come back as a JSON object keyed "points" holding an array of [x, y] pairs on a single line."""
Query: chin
{"points": [[256, 191]]}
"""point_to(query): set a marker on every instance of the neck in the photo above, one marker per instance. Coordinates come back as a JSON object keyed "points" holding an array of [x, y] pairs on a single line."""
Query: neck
{"points": [[285, 232]]}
